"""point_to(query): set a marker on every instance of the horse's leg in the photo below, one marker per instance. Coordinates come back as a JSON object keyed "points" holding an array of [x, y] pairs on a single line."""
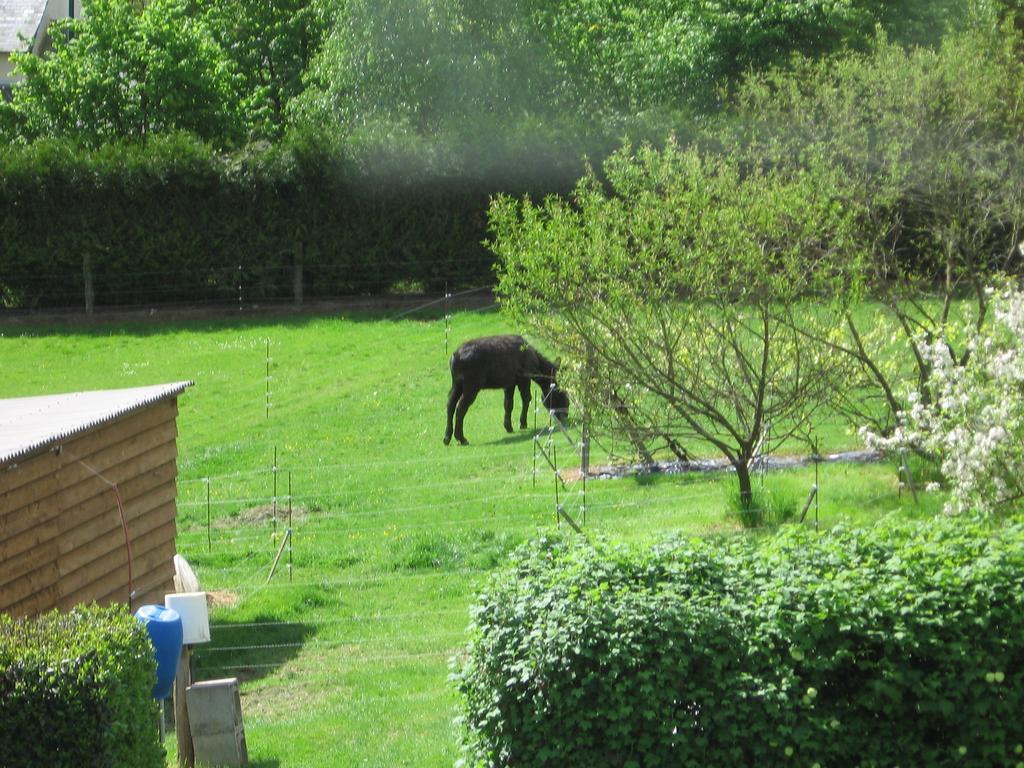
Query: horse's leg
{"points": [[509, 402], [524, 393], [469, 394], [453, 398]]}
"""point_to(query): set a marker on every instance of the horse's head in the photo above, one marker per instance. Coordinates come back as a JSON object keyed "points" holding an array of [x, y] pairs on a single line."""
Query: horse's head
{"points": [[556, 400]]}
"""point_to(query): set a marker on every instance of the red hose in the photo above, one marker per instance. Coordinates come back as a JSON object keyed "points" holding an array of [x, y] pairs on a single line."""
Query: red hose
{"points": [[127, 540]]}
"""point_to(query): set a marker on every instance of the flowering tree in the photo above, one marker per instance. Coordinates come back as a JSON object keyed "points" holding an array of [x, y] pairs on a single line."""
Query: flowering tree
{"points": [[974, 421]]}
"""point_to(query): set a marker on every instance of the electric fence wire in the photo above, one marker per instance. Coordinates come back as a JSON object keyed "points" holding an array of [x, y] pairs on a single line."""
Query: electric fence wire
{"points": [[229, 288], [243, 535], [441, 300], [315, 645], [357, 583], [217, 629], [316, 665], [388, 466], [340, 495]]}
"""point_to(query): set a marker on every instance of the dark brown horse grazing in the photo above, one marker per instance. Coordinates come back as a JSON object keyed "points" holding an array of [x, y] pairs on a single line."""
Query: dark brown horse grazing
{"points": [[500, 362]]}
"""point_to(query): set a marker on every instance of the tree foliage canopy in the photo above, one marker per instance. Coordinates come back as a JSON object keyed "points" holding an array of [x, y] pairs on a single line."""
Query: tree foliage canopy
{"points": [[126, 71], [271, 45], [683, 292], [492, 74], [930, 142], [461, 71]]}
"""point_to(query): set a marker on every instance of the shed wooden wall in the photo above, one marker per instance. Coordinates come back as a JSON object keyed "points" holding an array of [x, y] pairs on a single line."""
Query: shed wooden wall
{"points": [[61, 538]]}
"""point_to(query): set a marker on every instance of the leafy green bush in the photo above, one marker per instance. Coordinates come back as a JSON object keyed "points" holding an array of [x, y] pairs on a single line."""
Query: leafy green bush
{"points": [[76, 690], [898, 645]]}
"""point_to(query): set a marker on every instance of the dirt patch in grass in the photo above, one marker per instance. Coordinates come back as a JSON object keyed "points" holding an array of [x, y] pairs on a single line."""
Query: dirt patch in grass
{"points": [[292, 698], [264, 513], [218, 598]]}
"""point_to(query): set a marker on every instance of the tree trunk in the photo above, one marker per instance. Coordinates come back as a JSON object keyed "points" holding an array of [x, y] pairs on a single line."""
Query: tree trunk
{"points": [[677, 449], [743, 476], [632, 432]]}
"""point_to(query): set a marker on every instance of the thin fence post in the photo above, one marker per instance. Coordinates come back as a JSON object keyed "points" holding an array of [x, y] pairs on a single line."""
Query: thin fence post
{"points": [[87, 282], [209, 532], [269, 393], [447, 318], [906, 474], [536, 408], [554, 461], [277, 558], [585, 449], [289, 525], [817, 482], [585, 462], [273, 499], [239, 287], [536, 437], [810, 498]]}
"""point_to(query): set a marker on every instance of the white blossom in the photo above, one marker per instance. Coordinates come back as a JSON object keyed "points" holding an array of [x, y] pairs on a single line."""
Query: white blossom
{"points": [[974, 420]]}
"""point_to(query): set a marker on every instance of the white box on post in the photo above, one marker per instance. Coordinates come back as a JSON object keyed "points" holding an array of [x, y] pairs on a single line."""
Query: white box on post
{"points": [[195, 617]]}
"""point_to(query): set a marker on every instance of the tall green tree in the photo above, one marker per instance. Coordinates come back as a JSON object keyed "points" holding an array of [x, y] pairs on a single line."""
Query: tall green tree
{"points": [[125, 71], [456, 69], [651, 54], [931, 141], [428, 67], [271, 45]]}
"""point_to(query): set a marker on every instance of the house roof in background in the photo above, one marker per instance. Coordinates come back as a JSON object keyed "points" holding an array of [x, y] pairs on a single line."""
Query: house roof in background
{"points": [[19, 18], [28, 424]]}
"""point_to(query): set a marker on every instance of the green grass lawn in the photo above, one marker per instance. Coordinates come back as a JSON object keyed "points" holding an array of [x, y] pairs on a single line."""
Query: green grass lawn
{"points": [[344, 655]]}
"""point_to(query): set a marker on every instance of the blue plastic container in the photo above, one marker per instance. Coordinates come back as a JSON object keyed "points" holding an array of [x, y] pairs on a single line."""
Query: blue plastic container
{"points": [[165, 632]]}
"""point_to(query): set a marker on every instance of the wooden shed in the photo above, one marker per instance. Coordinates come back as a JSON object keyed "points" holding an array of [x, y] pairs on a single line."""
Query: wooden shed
{"points": [[88, 498]]}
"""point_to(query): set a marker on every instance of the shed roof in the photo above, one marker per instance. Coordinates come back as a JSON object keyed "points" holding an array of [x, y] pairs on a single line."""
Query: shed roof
{"points": [[19, 18], [30, 423]]}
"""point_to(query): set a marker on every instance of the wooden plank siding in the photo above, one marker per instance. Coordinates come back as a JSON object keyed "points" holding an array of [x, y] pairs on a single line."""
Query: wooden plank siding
{"points": [[62, 541]]}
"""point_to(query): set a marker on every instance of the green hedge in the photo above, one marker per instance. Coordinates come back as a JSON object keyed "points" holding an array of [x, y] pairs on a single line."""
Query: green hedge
{"points": [[76, 690], [174, 221], [899, 645]]}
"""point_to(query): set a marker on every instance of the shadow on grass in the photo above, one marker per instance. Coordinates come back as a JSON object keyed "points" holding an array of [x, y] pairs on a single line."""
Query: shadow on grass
{"points": [[214, 315], [171, 748], [644, 479], [515, 438], [249, 650]]}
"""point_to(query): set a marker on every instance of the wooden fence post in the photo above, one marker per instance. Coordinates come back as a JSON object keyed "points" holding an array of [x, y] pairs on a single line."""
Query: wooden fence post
{"points": [[182, 728], [87, 282], [297, 281]]}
